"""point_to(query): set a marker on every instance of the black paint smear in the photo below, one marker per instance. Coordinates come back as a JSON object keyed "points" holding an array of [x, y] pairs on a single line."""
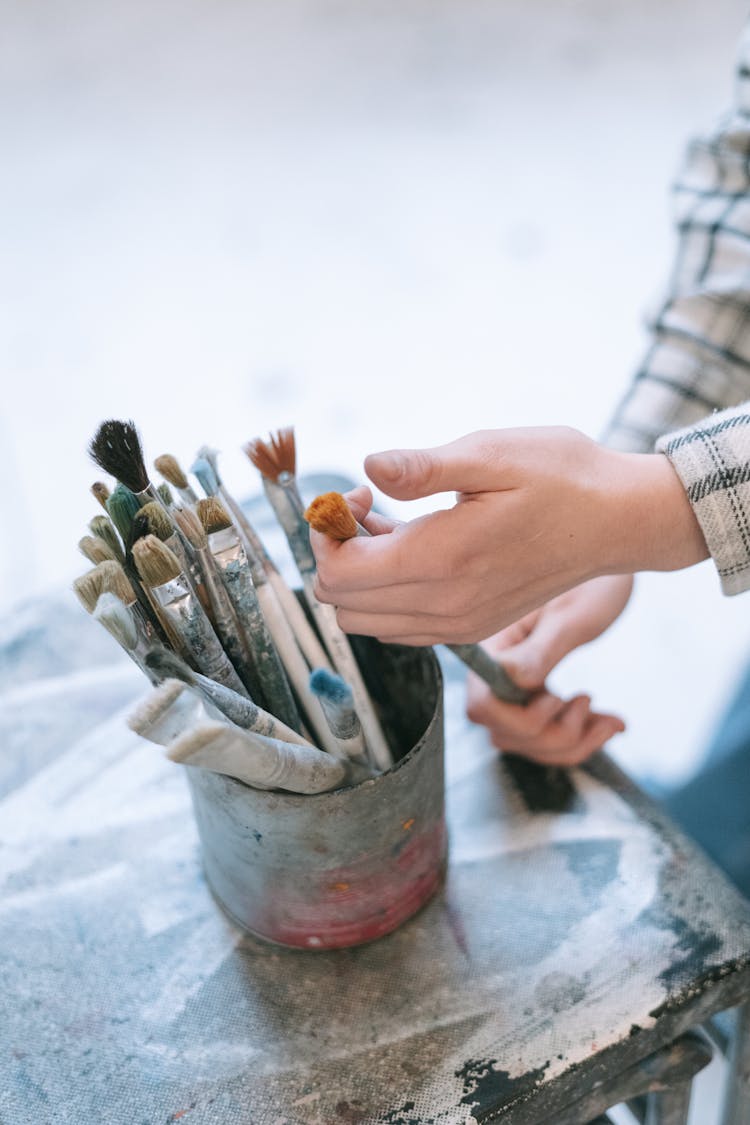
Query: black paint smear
{"points": [[396, 1116], [693, 951], [487, 1089], [543, 788]]}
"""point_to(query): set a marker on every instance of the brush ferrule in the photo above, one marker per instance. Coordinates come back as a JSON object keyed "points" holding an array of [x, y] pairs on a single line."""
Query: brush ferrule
{"points": [[293, 524], [225, 546]]}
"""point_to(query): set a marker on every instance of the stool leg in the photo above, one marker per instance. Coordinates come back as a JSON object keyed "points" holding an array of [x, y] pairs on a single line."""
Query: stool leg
{"points": [[737, 1100], [669, 1107]]}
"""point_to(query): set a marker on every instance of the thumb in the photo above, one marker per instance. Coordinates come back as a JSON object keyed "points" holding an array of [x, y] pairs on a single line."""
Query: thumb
{"points": [[531, 660], [470, 464]]}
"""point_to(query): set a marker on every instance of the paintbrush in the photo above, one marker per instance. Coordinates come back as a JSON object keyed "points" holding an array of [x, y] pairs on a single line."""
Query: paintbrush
{"points": [[337, 700], [274, 644], [263, 763], [242, 712], [127, 628], [103, 528], [165, 495], [95, 549], [161, 572], [171, 470], [110, 577], [226, 621], [122, 506], [116, 448], [206, 469], [331, 515], [166, 713], [276, 462], [100, 492]]}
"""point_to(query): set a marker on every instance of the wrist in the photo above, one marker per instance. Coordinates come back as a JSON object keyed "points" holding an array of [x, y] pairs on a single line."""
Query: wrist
{"points": [[655, 527]]}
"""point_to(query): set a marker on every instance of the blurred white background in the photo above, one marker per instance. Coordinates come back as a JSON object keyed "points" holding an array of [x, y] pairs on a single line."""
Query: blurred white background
{"points": [[388, 222]]}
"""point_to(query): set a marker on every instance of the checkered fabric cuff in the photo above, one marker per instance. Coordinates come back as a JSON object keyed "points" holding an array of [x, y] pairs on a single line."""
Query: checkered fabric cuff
{"points": [[712, 460]]}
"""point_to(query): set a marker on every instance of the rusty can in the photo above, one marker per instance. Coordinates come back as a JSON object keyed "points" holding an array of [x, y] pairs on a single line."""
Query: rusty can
{"points": [[338, 869]]}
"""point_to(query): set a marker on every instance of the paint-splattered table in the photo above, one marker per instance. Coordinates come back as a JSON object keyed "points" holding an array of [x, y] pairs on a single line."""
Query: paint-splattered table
{"points": [[578, 934]]}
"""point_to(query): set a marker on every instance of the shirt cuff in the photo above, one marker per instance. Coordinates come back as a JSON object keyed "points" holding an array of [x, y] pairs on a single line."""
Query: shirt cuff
{"points": [[712, 459]]}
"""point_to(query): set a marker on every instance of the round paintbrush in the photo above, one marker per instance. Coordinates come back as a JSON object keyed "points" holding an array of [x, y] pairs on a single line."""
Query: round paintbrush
{"points": [[337, 700], [169, 467], [331, 515]]}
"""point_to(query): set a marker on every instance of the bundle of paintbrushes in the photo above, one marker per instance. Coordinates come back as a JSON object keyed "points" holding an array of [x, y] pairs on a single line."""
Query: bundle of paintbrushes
{"points": [[244, 684]]}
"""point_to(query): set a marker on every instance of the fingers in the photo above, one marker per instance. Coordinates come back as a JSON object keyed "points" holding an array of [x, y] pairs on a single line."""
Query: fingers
{"points": [[547, 730], [473, 463], [360, 502]]}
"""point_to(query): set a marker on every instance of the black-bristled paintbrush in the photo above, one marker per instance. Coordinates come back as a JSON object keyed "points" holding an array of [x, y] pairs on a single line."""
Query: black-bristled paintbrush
{"points": [[331, 515]]}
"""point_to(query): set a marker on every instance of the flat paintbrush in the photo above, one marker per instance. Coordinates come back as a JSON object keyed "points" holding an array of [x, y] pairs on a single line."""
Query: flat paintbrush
{"points": [[161, 572], [109, 577], [102, 527], [274, 644], [223, 614], [331, 515], [242, 712], [276, 462], [207, 470], [96, 550], [127, 629]]}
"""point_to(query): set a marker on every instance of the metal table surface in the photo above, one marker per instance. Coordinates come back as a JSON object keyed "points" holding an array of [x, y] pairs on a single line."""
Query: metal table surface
{"points": [[577, 933]]}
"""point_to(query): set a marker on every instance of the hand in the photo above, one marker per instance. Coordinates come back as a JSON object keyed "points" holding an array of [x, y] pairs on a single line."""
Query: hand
{"points": [[550, 730], [538, 512]]}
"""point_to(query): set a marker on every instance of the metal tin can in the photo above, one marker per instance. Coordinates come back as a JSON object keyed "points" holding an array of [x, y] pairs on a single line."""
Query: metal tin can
{"points": [[341, 868]]}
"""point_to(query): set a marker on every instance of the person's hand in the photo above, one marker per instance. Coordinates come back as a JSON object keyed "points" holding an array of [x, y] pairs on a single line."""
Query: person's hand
{"points": [[550, 730], [538, 511]]}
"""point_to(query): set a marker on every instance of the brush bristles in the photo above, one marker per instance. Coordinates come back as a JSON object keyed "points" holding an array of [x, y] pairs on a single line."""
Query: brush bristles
{"points": [[191, 527], [145, 714], [208, 453], [165, 494], [116, 448], [107, 577], [332, 687], [331, 515], [113, 615], [275, 456], [101, 492], [95, 549], [122, 506], [198, 738], [203, 470], [213, 515], [156, 564], [170, 469], [157, 520], [167, 664], [102, 528]]}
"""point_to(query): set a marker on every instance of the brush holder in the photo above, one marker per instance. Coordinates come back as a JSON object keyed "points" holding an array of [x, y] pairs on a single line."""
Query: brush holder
{"points": [[338, 869]]}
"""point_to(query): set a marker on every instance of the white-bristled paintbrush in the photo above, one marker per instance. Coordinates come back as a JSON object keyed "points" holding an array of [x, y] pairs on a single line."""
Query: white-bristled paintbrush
{"points": [[206, 468], [161, 572], [263, 763], [331, 515], [166, 713], [109, 577], [127, 629], [169, 467], [276, 462], [242, 712]]}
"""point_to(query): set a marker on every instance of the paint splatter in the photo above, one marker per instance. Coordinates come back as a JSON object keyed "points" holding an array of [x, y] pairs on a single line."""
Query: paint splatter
{"points": [[351, 1113], [487, 1089], [398, 1116]]}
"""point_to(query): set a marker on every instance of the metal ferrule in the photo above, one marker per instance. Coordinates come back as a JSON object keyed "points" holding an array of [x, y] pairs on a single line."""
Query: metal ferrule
{"points": [[293, 523], [187, 617], [235, 574]]}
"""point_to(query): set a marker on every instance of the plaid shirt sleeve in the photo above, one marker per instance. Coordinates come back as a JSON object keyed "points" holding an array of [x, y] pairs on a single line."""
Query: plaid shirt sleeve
{"points": [[699, 358]]}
